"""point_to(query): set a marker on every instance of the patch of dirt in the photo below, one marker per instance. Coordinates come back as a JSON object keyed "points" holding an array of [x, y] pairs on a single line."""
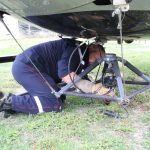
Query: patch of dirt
{"points": [[140, 129], [143, 108]]}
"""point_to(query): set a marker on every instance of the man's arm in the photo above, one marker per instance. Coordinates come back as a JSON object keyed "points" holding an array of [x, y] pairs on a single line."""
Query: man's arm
{"points": [[88, 87], [85, 85]]}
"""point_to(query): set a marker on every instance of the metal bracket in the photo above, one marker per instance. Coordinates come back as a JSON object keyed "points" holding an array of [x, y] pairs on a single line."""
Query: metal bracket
{"points": [[119, 7]]}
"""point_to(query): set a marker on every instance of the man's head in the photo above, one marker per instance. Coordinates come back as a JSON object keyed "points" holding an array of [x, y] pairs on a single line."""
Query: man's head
{"points": [[95, 52]]}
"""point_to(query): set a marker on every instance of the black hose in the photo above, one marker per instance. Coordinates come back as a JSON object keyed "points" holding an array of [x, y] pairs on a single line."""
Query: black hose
{"points": [[69, 70]]}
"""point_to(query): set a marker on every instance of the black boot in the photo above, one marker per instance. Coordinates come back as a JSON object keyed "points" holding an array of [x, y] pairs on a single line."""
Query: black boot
{"points": [[6, 105], [1, 95], [63, 98]]}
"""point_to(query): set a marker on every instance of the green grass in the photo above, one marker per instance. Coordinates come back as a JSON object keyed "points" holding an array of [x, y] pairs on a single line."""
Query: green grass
{"points": [[81, 125]]}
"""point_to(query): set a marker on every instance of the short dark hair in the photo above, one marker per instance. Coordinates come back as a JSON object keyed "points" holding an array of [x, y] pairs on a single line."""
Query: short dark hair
{"points": [[100, 47]]}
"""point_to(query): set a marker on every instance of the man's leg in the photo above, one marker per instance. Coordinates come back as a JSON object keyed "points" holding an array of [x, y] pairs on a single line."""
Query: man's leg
{"points": [[35, 104], [39, 98]]}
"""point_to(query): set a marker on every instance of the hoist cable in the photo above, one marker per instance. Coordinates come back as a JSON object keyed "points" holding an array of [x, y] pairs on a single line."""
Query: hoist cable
{"points": [[122, 50]]}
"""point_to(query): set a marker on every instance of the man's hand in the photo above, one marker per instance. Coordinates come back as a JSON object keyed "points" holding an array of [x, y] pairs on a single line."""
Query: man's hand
{"points": [[67, 79]]}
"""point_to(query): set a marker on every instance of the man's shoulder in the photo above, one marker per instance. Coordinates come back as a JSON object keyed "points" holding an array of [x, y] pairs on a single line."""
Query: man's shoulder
{"points": [[69, 41]]}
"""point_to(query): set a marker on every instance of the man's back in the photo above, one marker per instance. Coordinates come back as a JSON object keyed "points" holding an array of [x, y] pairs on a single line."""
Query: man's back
{"points": [[48, 56]]}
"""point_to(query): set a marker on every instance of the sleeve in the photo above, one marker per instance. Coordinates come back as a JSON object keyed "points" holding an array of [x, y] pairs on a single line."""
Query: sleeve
{"points": [[63, 62]]}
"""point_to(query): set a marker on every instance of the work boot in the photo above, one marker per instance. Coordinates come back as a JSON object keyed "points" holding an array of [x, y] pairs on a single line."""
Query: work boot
{"points": [[1, 95], [99, 89], [107, 101], [6, 105], [112, 94], [63, 98]]}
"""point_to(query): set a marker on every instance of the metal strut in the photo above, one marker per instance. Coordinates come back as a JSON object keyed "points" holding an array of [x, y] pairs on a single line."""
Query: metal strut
{"points": [[112, 60]]}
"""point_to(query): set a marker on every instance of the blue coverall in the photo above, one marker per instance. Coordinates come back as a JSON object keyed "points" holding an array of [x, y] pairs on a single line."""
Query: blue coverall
{"points": [[51, 58]]}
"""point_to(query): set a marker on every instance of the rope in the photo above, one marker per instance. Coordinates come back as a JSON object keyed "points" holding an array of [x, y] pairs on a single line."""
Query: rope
{"points": [[122, 50]]}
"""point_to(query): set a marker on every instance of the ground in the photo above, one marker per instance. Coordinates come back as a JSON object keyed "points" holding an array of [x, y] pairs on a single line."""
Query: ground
{"points": [[81, 125]]}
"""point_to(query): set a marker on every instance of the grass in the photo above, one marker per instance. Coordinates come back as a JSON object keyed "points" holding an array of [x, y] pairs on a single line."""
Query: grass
{"points": [[81, 125]]}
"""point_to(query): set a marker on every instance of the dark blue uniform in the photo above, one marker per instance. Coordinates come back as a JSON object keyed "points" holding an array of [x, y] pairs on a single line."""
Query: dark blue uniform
{"points": [[51, 58]]}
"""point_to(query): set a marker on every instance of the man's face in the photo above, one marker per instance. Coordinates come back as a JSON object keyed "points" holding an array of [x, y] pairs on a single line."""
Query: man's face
{"points": [[94, 53]]}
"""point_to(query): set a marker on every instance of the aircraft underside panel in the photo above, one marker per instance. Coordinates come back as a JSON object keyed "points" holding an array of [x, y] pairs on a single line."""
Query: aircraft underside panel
{"points": [[136, 24], [44, 7], [82, 18]]}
